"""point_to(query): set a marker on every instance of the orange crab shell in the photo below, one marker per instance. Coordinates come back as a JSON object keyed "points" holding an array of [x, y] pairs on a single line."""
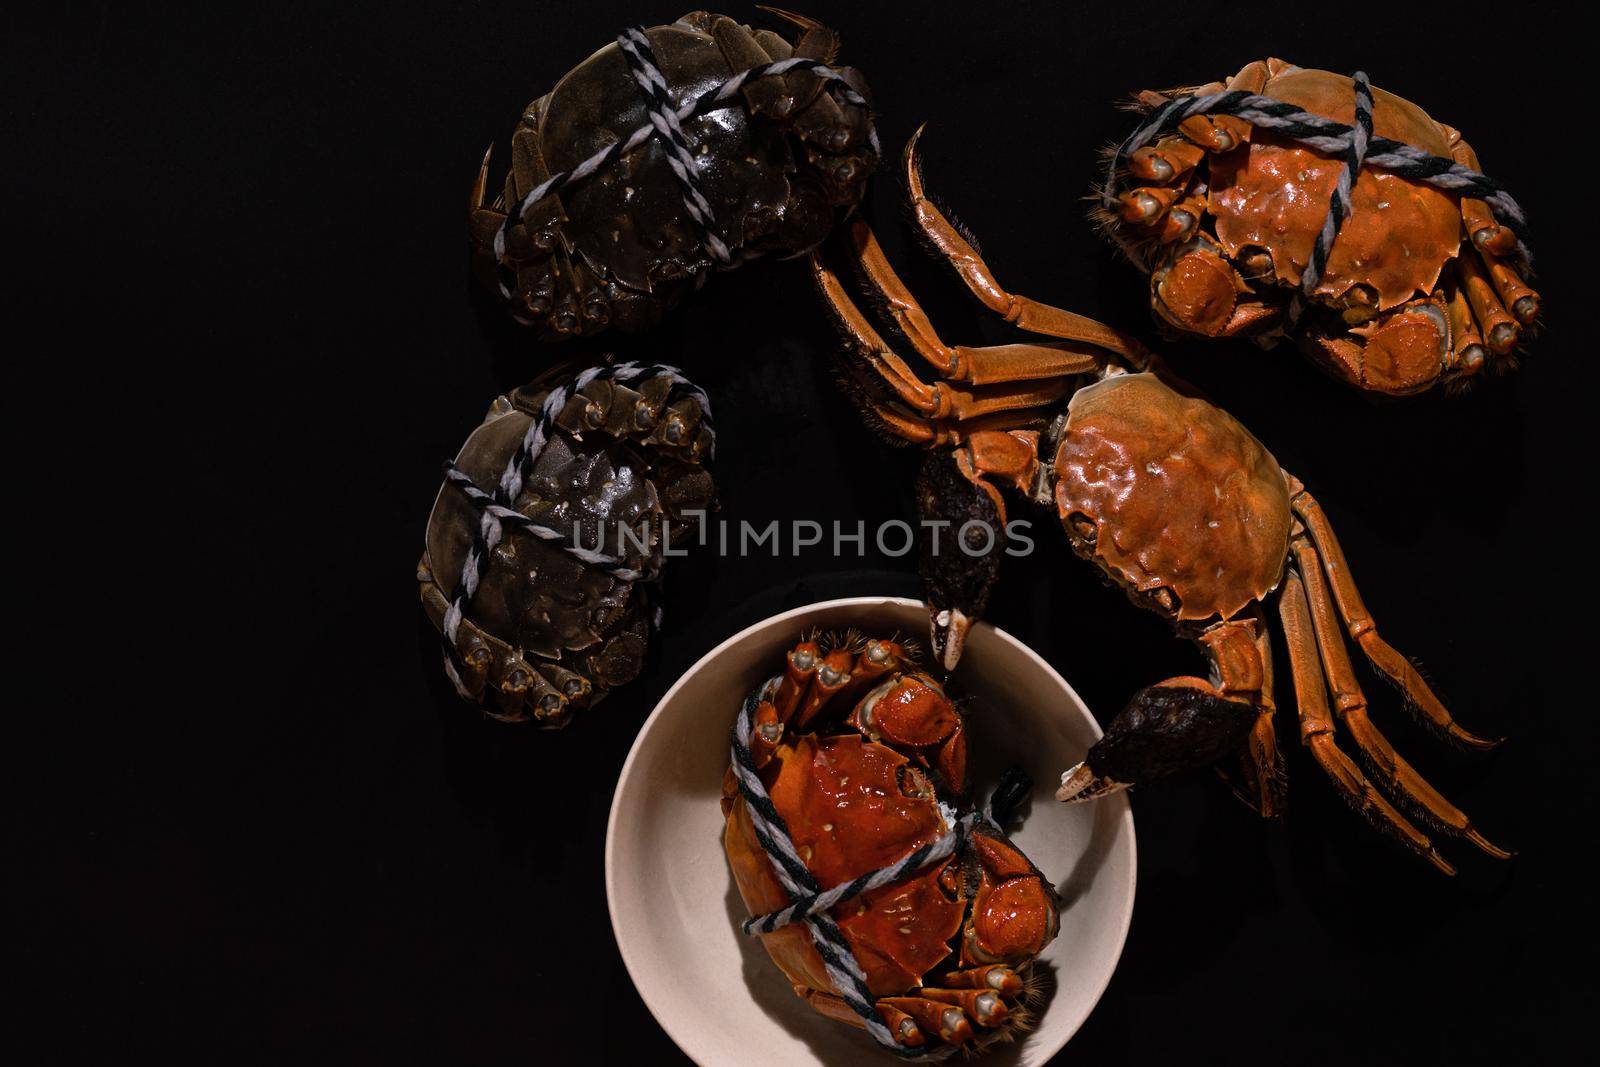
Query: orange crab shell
{"points": [[1172, 498], [1273, 194], [848, 814]]}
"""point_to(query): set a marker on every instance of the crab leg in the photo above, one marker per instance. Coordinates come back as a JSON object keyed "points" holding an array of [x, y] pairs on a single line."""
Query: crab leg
{"points": [[1499, 328], [946, 1020], [1467, 353], [1482, 229], [1317, 731], [833, 674], [1514, 293], [904, 1027], [1205, 721], [1215, 133], [812, 680], [1402, 781], [1148, 204], [1364, 630], [970, 267], [498, 674], [1166, 161], [940, 400], [975, 366], [1263, 763], [1182, 220], [983, 1006], [996, 976]]}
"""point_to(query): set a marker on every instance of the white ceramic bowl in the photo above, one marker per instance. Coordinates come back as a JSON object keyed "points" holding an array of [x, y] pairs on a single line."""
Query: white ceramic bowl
{"points": [[674, 906]]}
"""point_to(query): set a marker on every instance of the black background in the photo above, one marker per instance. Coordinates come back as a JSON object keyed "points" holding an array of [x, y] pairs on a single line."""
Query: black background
{"points": [[259, 827]]}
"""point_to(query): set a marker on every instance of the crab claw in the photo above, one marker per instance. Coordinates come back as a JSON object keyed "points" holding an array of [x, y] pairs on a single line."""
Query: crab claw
{"points": [[1081, 783], [1167, 727], [947, 634], [955, 581]]}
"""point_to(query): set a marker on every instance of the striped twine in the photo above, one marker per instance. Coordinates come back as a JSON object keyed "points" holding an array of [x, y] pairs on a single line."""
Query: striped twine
{"points": [[914, 861], [812, 903], [666, 123], [844, 973], [1330, 138], [497, 510], [1339, 203], [658, 107]]}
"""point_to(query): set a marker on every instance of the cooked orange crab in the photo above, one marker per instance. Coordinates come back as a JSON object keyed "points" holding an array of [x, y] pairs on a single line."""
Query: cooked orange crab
{"points": [[1421, 287], [863, 757]]}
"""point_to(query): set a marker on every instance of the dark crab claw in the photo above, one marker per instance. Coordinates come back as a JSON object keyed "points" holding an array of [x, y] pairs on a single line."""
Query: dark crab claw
{"points": [[1166, 728], [1082, 783], [955, 580]]}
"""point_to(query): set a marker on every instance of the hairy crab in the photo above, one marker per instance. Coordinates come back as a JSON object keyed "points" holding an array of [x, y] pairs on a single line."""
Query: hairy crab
{"points": [[864, 759], [777, 164], [550, 629], [1422, 286], [1172, 500]]}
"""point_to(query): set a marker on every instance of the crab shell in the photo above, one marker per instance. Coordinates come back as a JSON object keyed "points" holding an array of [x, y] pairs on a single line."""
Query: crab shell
{"points": [[1273, 194], [775, 167], [1172, 498], [852, 805], [544, 612]]}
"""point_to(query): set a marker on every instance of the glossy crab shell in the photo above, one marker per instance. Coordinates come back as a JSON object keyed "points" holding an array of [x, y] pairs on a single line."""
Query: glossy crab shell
{"points": [[619, 247], [859, 794], [1172, 498], [548, 633], [1422, 285]]}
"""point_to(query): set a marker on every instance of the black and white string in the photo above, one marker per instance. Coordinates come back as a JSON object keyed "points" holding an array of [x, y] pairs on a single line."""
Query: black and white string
{"points": [[666, 123], [811, 903], [497, 510], [1356, 145]]}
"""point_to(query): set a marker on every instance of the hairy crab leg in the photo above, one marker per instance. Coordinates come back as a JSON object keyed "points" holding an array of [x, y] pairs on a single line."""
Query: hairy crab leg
{"points": [[1467, 353], [1167, 161], [942, 400], [1183, 220], [1317, 730], [902, 1026], [1147, 205], [833, 674], [975, 273], [946, 1020], [1261, 761], [1215, 133], [974, 366], [496, 673], [983, 1006], [1364, 630], [1350, 704], [1514, 293], [1499, 329], [996, 976], [1491, 241], [1482, 229]]}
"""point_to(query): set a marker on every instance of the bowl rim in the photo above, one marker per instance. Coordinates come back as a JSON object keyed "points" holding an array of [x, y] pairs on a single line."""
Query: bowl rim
{"points": [[1124, 922]]}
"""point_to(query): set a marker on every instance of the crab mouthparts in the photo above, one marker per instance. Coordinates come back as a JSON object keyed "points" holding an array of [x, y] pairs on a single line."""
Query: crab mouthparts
{"points": [[948, 636], [1081, 783]]}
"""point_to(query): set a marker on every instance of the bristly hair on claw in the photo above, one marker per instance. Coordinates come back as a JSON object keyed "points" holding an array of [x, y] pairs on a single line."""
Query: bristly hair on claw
{"points": [[852, 639], [1036, 983], [1140, 251]]}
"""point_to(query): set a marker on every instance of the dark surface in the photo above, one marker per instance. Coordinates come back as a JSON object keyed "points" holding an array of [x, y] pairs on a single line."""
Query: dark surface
{"points": [[260, 828]]}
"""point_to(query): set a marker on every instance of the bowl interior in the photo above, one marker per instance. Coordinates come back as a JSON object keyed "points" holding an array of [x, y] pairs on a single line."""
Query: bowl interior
{"points": [[674, 906]]}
